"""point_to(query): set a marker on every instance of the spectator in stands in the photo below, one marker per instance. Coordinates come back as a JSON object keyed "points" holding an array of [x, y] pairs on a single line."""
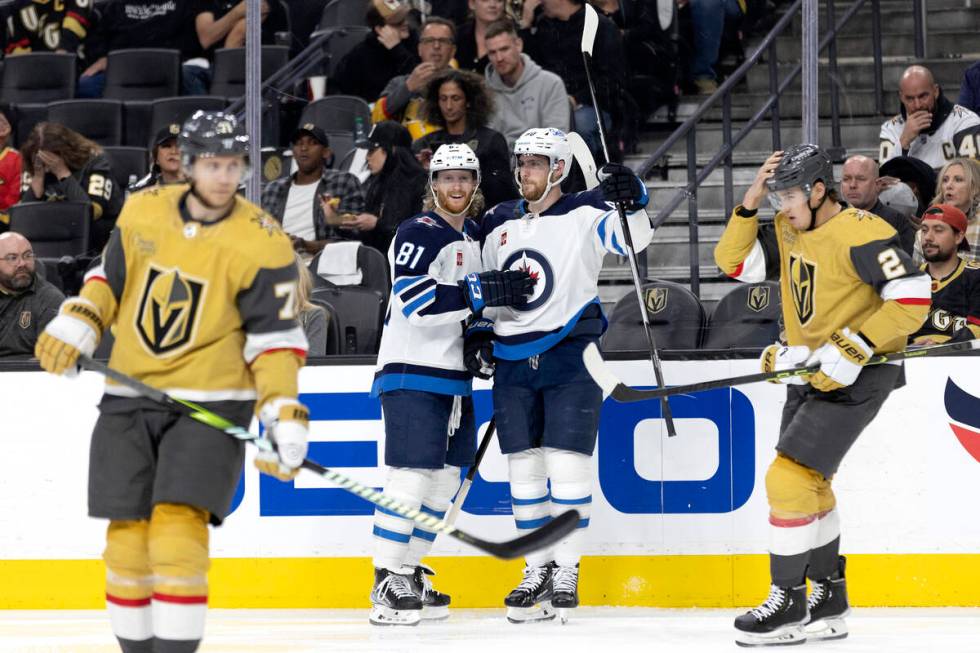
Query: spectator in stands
{"points": [[959, 186], [471, 37], [312, 202], [10, 172], [929, 126], [555, 42], [45, 26], [386, 52], [312, 317], [165, 164], [27, 301], [970, 88], [393, 192], [708, 17], [458, 102], [401, 99], [525, 95], [859, 184], [63, 165], [916, 174], [452, 10]]}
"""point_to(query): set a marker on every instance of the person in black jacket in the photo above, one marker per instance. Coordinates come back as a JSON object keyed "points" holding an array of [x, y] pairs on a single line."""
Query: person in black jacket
{"points": [[63, 165], [394, 191], [389, 50], [458, 102]]}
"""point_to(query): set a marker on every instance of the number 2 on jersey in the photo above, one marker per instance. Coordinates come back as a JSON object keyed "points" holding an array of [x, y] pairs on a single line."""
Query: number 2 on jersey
{"points": [[405, 253], [891, 265]]}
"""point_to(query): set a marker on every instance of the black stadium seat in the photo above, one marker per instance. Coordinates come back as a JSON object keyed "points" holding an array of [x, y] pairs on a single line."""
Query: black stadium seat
{"points": [[341, 13], [55, 229], [333, 330], [98, 120], [676, 317], [178, 109], [748, 316], [338, 113], [358, 313], [341, 41], [38, 77], [142, 74], [23, 117], [374, 271], [128, 164], [228, 78]]}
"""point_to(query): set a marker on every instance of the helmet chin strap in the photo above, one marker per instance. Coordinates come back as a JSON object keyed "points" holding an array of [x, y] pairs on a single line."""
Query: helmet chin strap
{"points": [[813, 211], [547, 187]]}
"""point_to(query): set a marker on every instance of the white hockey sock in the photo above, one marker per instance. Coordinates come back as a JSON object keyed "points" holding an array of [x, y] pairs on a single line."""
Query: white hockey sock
{"points": [[436, 502], [571, 487], [179, 618], [393, 532], [529, 497]]}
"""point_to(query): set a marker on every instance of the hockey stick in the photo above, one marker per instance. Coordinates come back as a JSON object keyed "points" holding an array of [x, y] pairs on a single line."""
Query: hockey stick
{"points": [[612, 386], [464, 488], [545, 536], [588, 41], [583, 156]]}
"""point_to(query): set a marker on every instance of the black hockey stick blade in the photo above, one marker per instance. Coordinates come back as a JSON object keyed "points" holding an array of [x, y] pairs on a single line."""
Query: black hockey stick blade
{"points": [[613, 387], [537, 539]]}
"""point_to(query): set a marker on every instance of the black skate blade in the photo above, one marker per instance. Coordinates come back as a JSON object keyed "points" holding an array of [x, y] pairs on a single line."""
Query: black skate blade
{"points": [[540, 538]]}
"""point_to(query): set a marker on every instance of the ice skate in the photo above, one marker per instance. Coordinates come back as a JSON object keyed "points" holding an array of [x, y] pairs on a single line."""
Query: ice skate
{"points": [[435, 604], [777, 622], [564, 596], [393, 603], [531, 599], [828, 606]]}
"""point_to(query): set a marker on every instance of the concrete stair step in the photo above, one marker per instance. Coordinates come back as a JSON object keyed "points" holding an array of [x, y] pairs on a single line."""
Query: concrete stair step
{"points": [[899, 20], [893, 43], [858, 72]]}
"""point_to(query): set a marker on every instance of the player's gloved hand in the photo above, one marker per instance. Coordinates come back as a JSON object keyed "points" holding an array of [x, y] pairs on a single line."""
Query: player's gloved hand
{"points": [[841, 359], [286, 424], [778, 357], [497, 288], [620, 184], [478, 348], [74, 331]]}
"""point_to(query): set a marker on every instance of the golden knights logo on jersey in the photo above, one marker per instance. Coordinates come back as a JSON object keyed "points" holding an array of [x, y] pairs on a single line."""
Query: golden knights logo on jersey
{"points": [[802, 281], [656, 300], [758, 299], [169, 310]]}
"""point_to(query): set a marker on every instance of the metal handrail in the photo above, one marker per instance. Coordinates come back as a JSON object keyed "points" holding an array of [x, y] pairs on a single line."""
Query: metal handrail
{"points": [[689, 127]]}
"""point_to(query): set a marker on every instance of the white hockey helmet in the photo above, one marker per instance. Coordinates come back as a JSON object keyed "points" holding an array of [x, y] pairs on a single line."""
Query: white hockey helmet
{"points": [[545, 141], [454, 156]]}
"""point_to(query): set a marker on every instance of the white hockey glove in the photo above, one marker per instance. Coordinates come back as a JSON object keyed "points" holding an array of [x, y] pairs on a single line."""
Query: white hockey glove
{"points": [[286, 425], [74, 331], [841, 360], [777, 358]]}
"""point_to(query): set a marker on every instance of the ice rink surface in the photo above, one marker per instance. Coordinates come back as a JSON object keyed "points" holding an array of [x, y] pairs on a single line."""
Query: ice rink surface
{"points": [[594, 630]]}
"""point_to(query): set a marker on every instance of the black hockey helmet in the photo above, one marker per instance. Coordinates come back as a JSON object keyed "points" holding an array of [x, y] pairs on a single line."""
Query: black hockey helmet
{"points": [[211, 133], [802, 165]]}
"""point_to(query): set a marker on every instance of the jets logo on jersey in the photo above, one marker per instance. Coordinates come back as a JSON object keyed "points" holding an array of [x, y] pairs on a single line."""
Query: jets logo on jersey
{"points": [[758, 299], [656, 300], [534, 263], [169, 310], [802, 274]]}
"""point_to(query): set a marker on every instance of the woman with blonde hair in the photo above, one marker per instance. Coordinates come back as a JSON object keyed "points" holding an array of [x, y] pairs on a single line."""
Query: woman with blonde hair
{"points": [[312, 317], [959, 185]]}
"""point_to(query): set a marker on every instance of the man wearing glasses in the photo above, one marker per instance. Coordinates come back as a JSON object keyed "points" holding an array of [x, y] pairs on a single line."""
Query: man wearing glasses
{"points": [[401, 99], [27, 302]]}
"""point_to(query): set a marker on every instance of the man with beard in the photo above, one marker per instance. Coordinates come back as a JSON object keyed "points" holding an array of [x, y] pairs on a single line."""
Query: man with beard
{"points": [[545, 403], [422, 380], [27, 302], [955, 312], [929, 127]]}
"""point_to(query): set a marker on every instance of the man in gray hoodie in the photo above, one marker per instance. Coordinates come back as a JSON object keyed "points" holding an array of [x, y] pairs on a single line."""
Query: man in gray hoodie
{"points": [[525, 95]]}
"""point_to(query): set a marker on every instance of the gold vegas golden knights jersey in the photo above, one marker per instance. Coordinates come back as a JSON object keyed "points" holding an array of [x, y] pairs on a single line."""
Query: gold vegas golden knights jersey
{"points": [[204, 311], [955, 312], [848, 272]]}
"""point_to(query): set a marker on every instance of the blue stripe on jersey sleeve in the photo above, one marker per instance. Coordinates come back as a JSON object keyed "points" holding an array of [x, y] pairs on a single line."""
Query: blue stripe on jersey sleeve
{"points": [[448, 298], [404, 282], [419, 303], [414, 291], [616, 246]]}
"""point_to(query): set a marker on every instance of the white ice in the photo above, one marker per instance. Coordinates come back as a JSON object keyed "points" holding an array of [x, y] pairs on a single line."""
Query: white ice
{"points": [[593, 630]]}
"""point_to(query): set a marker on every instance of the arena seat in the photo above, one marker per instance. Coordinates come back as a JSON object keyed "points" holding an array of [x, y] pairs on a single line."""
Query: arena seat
{"points": [[343, 13], [55, 229], [676, 318], [23, 117], [747, 316], [374, 271], [338, 113], [142, 74], [164, 111], [358, 313], [333, 330], [98, 120], [228, 79], [342, 40], [38, 77], [128, 164]]}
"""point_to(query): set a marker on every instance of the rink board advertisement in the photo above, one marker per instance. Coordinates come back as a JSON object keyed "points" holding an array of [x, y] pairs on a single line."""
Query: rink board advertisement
{"points": [[676, 521]]}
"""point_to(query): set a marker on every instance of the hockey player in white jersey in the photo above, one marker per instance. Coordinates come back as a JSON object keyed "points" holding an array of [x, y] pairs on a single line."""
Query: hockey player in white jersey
{"points": [[423, 384], [545, 404]]}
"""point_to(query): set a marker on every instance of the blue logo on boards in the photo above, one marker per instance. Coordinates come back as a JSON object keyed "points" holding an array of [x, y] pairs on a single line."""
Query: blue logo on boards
{"points": [[624, 488]]}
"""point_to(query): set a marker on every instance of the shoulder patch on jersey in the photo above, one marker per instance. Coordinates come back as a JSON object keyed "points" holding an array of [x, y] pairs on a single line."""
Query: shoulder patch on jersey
{"points": [[265, 222], [428, 222], [973, 265]]}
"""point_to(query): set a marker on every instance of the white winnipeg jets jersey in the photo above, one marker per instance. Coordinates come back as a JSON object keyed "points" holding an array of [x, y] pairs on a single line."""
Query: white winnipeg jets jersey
{"points": [[422, 341], [562, 248], [957, 136]]}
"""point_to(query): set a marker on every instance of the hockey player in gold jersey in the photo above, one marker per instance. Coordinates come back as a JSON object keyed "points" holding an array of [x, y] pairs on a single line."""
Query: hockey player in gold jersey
{"points": [[848, 291], [199, 286]]}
